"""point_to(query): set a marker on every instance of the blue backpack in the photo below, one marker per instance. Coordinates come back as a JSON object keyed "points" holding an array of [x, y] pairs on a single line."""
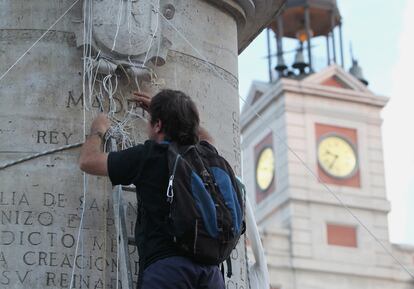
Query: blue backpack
{"points": [[206, 216]]}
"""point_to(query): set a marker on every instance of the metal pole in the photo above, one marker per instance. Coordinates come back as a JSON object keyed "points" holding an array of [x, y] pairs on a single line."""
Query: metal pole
{"points": [[269, 60], [308, 35], [328, 49], [279, 35], [279, 42], [341, 45], [333, 36]]}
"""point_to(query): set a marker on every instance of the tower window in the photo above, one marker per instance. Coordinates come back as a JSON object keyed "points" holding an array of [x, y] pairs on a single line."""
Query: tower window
{"points": [[341, 235]]}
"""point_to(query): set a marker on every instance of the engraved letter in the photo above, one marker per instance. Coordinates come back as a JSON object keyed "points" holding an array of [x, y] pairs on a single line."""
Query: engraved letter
{"points": [[24, 277], [67, 244], [11, 240], [50, 279], [66, 137], [53, 137], [96, 244], [29, 238], [48, 199], [41, 134], [3, 259], [25, 258], [5, 280], [47, 220], [61, 200], [72, 99]]}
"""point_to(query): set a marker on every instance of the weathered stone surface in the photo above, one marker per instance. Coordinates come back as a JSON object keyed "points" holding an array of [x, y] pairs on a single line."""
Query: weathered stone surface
{"points": [[42, 108]]}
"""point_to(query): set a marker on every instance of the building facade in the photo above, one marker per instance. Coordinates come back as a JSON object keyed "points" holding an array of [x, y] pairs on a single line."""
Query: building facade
{"points": [[314, 169]]}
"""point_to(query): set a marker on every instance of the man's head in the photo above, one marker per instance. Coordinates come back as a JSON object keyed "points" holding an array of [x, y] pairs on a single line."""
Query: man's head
{"points": [[174, 117]]}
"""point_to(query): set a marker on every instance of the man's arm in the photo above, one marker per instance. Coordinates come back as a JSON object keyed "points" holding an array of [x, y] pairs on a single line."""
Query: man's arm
{"points": [[92, 159]]}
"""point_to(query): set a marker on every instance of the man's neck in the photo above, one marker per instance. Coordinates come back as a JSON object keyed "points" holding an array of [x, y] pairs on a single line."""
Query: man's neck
{"points": [[159, 138]]}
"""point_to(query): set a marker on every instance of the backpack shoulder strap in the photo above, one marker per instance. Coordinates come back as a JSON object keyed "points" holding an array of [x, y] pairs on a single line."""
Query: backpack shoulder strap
{"points": [[207, 145]]}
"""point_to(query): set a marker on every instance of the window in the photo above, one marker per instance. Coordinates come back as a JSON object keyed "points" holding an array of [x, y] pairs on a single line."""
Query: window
{"points": [[341, 235]]}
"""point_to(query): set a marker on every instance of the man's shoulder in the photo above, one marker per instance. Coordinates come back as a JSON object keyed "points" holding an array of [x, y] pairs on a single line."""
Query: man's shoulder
{"points": [[155, 149], [208, 145], [152, 143], [149, 145]]}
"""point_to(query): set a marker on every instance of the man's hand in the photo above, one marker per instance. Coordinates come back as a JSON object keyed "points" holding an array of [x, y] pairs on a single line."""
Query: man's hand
{"points": [[100, 124], [92, 159], [144, 100]]}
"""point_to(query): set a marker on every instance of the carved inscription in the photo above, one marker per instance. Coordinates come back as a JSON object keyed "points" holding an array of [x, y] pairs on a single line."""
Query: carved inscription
{"points": [[120, 105], [233, 283], [53, 137], [38, 238], [20, 277], [236, 142]]}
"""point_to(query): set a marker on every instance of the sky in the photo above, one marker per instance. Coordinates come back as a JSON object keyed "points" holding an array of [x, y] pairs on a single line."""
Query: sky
{"points": [[382, 37]]}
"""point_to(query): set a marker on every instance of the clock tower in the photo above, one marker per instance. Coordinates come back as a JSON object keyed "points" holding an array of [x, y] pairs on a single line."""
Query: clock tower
{"points": [[315, 149]]}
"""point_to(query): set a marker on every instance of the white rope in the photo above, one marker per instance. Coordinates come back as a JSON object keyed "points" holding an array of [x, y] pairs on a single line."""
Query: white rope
{"points": [[175, 76], [87, 66], [85, 183], [296, 155], [158, 50], [156, 9], [129, 12], [258, 276], [110, 90], [243, 187], [118, 130], [118, 23], [40, 38], [34, 156]]}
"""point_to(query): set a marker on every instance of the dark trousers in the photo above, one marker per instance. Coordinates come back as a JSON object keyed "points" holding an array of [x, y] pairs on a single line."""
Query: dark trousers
{"points": [[181, 273]]}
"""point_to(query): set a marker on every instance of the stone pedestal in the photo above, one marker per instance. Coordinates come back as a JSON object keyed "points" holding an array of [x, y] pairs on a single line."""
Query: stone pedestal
{"points": [[42, 108]]}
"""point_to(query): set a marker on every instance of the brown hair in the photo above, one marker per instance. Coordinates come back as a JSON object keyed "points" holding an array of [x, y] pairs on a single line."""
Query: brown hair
{"points": [[178, 115]]}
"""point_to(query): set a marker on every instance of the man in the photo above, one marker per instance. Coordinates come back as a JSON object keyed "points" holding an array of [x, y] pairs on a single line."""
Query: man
{"points": [[173, 117]]}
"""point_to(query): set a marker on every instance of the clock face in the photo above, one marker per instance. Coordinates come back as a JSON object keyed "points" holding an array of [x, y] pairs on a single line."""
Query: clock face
{"points": [[337, 157], [265, 169]]}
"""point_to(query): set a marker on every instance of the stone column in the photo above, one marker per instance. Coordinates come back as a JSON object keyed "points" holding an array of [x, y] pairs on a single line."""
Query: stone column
{"points": [[42, 108]]}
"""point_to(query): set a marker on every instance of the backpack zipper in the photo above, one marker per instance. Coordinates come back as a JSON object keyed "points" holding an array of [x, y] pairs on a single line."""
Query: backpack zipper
{"points": [[170, 190]]}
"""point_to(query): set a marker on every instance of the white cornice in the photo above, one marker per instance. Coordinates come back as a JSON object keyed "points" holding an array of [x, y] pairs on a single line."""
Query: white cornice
{"points": [[249, 113], [345, 77], [353, 202], [308, 87], [348, 95], [383, 273], [258, 18], [252, 16]]}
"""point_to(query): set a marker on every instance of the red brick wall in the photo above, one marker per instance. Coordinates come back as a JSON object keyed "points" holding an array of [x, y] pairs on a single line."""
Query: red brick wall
{"points": [[335, 82], [341, 235]]}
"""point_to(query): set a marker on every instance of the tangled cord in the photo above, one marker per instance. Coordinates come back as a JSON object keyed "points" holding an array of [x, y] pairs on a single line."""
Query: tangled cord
{"points": [[31, 157]]}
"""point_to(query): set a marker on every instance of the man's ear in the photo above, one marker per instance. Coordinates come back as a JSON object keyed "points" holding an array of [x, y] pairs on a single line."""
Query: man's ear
{"points": [[158, 126]]}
